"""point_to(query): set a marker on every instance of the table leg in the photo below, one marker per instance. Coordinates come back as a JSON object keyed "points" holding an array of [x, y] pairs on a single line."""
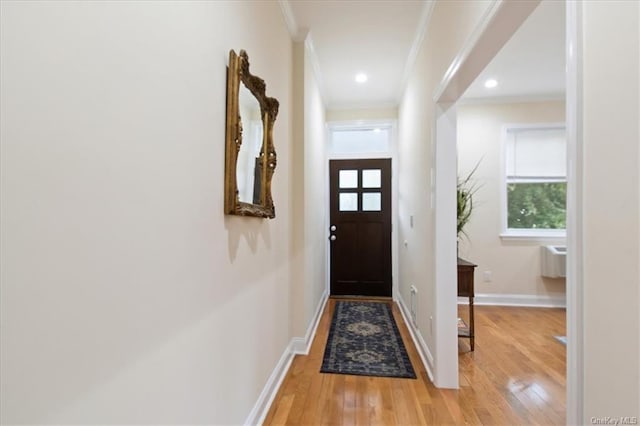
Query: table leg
{"points": [[471, 326]]}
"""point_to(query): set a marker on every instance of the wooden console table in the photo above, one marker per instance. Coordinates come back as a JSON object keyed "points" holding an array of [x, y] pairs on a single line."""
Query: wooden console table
{"points": [[465, 289]]}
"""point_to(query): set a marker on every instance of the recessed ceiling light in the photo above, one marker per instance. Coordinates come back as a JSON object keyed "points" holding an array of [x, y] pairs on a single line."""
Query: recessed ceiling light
{"points": [[491, 83], [361, 77]]}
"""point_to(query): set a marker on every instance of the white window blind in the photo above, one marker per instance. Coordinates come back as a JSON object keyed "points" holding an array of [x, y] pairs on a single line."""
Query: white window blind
{"points": [[536, 153]]}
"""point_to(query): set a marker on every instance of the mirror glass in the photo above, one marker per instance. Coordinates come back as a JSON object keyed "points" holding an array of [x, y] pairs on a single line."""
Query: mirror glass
{"points": [[250, 155], [249, 170]]}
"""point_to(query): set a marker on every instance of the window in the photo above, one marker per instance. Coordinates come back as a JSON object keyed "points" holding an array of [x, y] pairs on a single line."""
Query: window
{"points": [[371, 200], [361, 140], [535, 184]]}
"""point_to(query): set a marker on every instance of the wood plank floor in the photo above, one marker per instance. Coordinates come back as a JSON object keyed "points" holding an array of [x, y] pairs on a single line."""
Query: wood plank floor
{"points": [[515, 376]]}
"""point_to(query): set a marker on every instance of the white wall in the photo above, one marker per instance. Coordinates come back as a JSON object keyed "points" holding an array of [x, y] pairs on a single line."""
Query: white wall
{"points": [[315, 189], [309, 261], [296, 200], [610, 209], [127, 295], [451, 23], [514, 265]]}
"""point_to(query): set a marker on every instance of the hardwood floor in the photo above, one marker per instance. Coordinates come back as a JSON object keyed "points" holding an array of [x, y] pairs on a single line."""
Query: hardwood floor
{"points": [[515, 376]]}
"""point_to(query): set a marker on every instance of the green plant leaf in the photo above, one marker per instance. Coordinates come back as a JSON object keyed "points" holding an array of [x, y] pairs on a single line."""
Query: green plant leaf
{"points": [[466, 188]]}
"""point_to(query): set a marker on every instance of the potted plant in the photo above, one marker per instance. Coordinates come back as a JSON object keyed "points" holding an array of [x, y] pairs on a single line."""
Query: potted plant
{"points": [[466, 188]]}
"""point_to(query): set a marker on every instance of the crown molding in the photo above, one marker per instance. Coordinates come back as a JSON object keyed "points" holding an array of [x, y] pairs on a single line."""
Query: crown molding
{"points": [[289, 18], [499, 22], [315, 66], [421, 31], [469, 44], [300, 35], [516, 99]]}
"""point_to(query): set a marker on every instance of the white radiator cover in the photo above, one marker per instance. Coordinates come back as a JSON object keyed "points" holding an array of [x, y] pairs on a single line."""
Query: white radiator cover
{"points": [[554, 261]]}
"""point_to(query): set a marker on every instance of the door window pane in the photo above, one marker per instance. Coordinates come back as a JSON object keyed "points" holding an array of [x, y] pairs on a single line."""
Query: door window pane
{"points": [[348, 179], [348, 202], [371, 178], [371, 201]]}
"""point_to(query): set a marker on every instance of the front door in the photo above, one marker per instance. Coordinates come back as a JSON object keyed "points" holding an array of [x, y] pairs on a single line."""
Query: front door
{"points": [[360, 229]]}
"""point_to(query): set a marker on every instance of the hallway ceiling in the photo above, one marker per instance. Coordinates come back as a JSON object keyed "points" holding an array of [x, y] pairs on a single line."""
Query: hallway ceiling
{"points": [[532, 63], [378, 37], [349, 37]]}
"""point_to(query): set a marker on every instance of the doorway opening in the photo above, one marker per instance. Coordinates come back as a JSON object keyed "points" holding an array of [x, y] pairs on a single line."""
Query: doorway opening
{"points": [[499, 25]]}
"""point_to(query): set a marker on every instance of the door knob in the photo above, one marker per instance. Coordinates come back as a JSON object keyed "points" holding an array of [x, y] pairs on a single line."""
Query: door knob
{"points": [[332, 238], [333, 228]]}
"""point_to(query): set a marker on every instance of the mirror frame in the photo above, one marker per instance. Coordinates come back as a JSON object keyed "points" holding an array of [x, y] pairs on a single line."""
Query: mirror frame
{"points": [[237, 73]]}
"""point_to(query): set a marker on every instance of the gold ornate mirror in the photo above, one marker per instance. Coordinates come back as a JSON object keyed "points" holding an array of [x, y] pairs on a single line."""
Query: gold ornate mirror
{"points": [[250, 155]]}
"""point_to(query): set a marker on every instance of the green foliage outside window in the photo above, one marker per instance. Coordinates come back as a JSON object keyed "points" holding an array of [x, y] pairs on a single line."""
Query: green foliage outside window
{"points": [[537, 205]]}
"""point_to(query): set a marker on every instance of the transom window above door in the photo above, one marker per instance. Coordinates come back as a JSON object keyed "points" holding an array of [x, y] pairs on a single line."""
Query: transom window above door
{"points": [[361, 140]]}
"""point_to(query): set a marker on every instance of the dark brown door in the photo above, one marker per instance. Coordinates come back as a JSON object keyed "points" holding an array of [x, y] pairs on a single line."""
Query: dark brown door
{"points": [[360, 229]]}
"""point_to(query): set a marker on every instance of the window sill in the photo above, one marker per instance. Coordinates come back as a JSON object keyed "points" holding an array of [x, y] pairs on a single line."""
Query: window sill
{"points": [[533, 236]]}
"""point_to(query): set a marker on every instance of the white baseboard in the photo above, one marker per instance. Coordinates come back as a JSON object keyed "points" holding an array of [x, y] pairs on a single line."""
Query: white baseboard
{"points": [[261, 407], [416, 336], [297, 346], [302, 345], [524, 300]]}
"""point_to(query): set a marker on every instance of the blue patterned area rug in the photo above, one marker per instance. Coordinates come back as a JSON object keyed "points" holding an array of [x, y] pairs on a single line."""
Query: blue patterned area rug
{"points": [[364, 340]]}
